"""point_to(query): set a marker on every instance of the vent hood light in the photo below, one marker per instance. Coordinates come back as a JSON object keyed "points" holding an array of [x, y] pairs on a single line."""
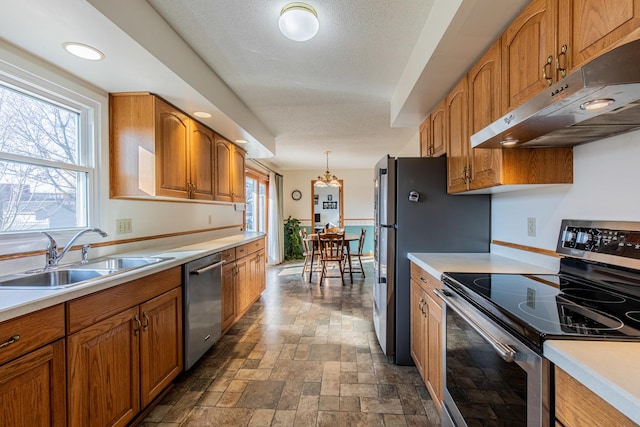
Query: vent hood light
{"points": [[509, 141], [597, 104], [202, 114], [83, 51]]}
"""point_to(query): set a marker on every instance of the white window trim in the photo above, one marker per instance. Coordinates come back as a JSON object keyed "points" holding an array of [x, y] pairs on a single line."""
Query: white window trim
{"points": [[32, 75]]}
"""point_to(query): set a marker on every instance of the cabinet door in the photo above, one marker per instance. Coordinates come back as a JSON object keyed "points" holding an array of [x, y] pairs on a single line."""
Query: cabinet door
{"points": [[238, 191], [242, 286], [457, 137], [228, 291], [425, 138], [417, 327], [484, 108], [528, 53], [223, 176], [201, 160], [160, 343], [33, 388], [434, 350], [588, 28], [172, 169], [104, 378], [259, 273], [439, 130]]}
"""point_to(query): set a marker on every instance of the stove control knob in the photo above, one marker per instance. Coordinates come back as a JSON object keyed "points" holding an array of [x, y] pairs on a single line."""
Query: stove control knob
{"points": [[583, 238], [568, 236]]}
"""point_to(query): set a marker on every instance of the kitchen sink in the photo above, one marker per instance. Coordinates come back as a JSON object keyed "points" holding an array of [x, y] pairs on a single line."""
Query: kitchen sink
{"points": [[74, 274], [53, 279]]}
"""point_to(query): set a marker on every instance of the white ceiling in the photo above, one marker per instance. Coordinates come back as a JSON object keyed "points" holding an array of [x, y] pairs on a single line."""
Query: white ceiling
{"points": [[359, 88]]}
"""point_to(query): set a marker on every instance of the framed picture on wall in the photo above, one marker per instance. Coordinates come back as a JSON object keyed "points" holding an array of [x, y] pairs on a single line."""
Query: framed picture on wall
{"points": [[315, 199], [329, 197]]}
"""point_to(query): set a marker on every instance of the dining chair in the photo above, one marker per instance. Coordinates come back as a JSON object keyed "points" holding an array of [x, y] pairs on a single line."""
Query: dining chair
{"points": [[307, 252], [356, 258], [331, 252]]}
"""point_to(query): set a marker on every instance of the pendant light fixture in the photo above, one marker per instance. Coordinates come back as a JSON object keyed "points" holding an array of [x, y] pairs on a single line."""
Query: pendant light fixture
{"points": [[328, 180], [298, 22]]}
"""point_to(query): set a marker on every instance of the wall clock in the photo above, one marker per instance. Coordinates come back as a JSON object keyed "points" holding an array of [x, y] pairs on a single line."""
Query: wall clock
{"points": [[296, 195]]}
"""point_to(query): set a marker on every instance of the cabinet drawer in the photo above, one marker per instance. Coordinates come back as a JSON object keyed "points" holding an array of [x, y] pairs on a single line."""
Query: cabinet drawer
{"points": [[250, 247], [427, 282], [34, 329], [91, 309], [229, 255]]}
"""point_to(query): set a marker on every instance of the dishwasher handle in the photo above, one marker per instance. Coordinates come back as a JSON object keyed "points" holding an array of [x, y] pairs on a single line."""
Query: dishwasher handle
{"points": [[207, 268]]}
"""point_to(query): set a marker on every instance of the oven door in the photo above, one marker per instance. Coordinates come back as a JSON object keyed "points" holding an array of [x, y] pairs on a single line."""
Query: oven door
{"points": [[490, 377]]}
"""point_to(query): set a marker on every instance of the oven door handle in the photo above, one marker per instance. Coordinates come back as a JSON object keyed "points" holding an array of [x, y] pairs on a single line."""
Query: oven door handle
{"points": [[506, 353]]}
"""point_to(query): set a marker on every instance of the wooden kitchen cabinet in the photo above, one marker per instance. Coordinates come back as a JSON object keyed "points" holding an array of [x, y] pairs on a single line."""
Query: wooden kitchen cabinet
{"points": [[157, 150], [589, 28], [124, 346], [426, 330], [552, 38], [509, 166], [228, 288], [457, 137], [528, 53], [229, 175], [576, 405], [250, 278], [32, 369], [432, 141]]}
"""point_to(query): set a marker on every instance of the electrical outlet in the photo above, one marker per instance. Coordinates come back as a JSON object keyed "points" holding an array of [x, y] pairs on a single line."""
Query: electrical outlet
{"points": [[531, 227], [124, 226], [209, 219]]}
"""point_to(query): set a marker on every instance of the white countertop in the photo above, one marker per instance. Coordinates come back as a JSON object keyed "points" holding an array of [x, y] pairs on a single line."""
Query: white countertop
{"points": [[609, 369], [14, 303], [438, 263]]}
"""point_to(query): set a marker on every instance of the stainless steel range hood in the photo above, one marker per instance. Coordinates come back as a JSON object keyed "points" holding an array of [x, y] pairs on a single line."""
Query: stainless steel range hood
{"points": [[557, 117]]}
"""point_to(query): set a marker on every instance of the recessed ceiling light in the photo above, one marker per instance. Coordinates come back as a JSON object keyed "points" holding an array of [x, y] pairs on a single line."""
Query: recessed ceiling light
{"points": [[298, 22], [241, 141], [202, 114], [83, 51]]}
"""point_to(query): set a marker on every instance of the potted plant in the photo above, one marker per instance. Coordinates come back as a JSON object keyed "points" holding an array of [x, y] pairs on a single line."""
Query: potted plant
{"points": [[292, 240]]}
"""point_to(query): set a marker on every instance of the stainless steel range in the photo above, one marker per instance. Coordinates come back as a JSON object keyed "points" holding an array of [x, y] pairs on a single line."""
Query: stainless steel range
{"points": [[496, 324]]}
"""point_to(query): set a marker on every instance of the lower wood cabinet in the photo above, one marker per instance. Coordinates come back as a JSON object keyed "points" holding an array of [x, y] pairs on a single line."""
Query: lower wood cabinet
{"points": [[248, 276], [32, 370], [426, 331], [124, 349], [228, 288], [578, 406]]}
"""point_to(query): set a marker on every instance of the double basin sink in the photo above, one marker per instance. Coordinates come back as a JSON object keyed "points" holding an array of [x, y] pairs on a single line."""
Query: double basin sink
{"points": [[74, 274]]}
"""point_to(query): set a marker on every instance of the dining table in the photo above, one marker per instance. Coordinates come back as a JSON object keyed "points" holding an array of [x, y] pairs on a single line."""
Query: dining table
{"points": [[348, 238]]}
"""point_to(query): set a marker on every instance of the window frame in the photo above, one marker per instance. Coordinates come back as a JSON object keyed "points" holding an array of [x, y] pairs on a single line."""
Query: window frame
{"points": [[28, 77]]}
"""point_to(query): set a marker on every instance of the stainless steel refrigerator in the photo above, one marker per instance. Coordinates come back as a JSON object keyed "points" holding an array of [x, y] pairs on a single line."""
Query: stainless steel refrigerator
{"points": [[414, 213]]}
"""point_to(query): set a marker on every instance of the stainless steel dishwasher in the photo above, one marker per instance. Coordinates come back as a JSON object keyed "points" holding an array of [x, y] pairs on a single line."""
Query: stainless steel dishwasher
{"points": [[202, 306]]}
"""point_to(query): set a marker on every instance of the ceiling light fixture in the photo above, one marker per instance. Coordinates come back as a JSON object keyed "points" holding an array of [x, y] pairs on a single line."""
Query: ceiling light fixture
{"points": [[202, 114], [328, 180], [298, 22], [241, 141], [83, 51]]}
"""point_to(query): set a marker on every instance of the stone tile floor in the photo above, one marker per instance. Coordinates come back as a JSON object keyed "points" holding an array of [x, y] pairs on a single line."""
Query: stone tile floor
{"points": [[304, 355]]}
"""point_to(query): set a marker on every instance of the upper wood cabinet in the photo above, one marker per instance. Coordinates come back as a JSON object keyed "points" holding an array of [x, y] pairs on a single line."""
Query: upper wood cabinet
{"points": [[157, 150], [588, 28], [528, 53], [432, 139], [229, 175], [457, 138], [552, 38]]}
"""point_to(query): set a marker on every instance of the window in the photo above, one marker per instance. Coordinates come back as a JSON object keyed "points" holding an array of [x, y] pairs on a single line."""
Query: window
{"points": [[46, 171], [256, 207]]}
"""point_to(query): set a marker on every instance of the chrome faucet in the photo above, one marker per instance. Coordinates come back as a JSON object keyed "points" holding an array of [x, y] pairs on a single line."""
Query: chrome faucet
{"points": [[53, 256]]}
